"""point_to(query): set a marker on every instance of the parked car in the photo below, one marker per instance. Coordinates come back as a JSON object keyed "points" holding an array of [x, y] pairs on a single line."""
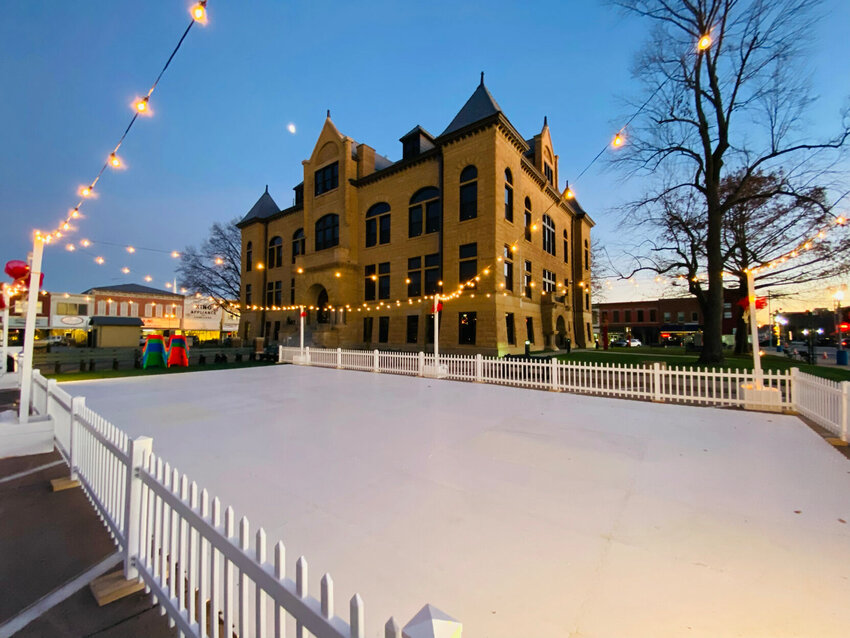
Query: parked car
{"points": [[627, 343]]}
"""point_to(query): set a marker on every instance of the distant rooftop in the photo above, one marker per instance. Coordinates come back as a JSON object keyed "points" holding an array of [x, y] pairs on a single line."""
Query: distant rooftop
{"points": [[132, 289]]}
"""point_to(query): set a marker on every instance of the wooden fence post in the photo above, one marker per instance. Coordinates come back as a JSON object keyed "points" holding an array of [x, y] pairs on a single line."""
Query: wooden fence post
{"points": [[49, 391], [77, 405], [792, 388], [657, 394], [139, 449], [554, 384]]}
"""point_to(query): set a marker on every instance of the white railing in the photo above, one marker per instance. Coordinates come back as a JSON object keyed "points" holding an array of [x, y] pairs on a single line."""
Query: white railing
{"points": [[192, 553], [825, 402], [649, 382]]}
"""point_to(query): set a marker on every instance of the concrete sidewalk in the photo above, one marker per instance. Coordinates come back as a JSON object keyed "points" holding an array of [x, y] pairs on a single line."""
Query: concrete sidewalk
{"points": [[47, 541]]}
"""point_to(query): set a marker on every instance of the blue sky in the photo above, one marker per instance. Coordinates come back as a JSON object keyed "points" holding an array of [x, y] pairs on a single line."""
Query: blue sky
{"points": [[219, 133]]}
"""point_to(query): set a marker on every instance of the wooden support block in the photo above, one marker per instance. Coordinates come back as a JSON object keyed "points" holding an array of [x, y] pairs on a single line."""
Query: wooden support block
{"points": [[57, 485], [113, 586], [834, 440]]}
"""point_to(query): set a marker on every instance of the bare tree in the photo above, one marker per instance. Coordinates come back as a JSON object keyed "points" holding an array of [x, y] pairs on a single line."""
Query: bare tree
{"points": [[732, 103], [763, 231], [214, 269]]}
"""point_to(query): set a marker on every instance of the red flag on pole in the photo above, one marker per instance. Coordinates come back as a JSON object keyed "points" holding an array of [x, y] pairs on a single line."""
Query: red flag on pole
{"points": [[761, 302], [303, 313], [439, 307]]}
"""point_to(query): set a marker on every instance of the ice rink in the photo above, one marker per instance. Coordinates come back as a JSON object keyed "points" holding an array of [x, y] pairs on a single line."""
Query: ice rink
{"points": [[522, 513]]}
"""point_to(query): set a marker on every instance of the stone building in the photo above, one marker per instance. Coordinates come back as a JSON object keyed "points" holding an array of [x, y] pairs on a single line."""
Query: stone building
{"points": [[369, 241]]}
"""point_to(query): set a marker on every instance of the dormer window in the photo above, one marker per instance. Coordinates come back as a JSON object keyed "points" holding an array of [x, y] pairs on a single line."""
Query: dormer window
{"points": [[327, 178]]}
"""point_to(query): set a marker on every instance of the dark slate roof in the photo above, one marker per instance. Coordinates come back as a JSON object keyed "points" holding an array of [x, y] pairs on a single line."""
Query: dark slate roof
{"points": [[416, 130], [117, 321], [265, 207], [478, 107], [132, 289]]}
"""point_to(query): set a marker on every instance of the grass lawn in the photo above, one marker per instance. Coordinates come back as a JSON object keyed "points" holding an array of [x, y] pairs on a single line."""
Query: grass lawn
{"points": [[680, 358], [138, 372]]}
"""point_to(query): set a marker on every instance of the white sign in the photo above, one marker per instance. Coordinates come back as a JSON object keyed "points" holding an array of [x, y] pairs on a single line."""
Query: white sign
{"points": [[201, 314], [70, 322]]}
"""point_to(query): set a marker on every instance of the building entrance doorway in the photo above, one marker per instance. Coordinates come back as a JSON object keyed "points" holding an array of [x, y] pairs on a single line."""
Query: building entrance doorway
{"points": [[322, 315], [561, 329]]}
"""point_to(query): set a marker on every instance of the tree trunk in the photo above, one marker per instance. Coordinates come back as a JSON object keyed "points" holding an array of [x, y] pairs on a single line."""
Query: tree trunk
{"points": [[742, 328], [712, 340]]}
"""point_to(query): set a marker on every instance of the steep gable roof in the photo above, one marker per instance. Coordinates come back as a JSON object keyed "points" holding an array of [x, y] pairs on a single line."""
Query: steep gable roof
{"points": [[479, 106], [265, 207]]}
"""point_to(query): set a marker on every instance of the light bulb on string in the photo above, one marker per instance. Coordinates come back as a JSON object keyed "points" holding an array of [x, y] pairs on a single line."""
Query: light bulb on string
{"points": [[115, 161], [125, 270], [199, 12], [99, 261], [148, 278], [704, 42], [131, 250], [618, 141], [141, 105], [176, 254], [86, 191]]}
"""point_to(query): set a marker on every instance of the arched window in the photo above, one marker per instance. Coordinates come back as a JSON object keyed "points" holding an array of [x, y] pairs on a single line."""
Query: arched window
{"points": [[566, 247], [509, 196], [378, 224], [298, 243], [424, 206], [275, 252], [468, 193], [527, 219], [548, 235], [327, 231], [249, 257]]}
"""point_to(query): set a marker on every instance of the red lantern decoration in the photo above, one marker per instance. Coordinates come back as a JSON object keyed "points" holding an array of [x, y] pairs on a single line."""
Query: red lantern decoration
{"points": [[17, 269]]}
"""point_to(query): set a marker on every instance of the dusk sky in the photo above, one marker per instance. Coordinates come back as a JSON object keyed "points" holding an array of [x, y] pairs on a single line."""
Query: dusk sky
{"points": [[70, 70]]}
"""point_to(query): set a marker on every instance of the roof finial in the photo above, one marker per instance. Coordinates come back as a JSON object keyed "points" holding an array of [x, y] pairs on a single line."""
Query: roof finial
{"points": [[329, 114], [545, 121], [267, 188], [482, 78]]}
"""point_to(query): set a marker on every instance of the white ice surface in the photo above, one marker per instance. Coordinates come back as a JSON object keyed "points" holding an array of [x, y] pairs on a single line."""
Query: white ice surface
{"points": [[522, 513]]}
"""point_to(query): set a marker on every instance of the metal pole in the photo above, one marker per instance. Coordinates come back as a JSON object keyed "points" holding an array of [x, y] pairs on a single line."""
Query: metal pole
{"points": [[6, 302], [436, 330], [301, 316], [754, 329], [29, 330]]}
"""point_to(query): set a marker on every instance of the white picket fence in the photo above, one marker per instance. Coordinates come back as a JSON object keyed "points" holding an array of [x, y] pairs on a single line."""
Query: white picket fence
{"points": [[649, 382], [193, 554], [825, 402]]}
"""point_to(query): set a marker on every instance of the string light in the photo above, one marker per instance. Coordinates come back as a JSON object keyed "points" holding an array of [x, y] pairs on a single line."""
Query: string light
{"points": [[704, 42], [99, 261], [141, 106], [618, 141], [176, 254], [125, 270], [148, 278], [131, 250]]}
